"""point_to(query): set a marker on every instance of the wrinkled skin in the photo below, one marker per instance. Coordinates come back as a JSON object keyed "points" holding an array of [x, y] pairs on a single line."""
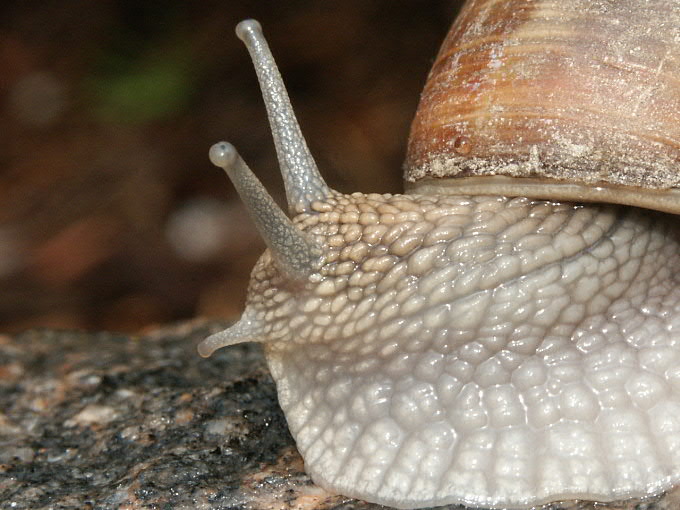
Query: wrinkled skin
{"points": [[492, 351]]}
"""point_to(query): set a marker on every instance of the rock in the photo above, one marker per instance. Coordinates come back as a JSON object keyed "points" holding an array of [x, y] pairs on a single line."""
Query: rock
{"points": [[105, 421]]}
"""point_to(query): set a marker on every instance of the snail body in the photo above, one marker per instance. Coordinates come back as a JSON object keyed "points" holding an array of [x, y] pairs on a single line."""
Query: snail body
{"points": [[496, 349]]}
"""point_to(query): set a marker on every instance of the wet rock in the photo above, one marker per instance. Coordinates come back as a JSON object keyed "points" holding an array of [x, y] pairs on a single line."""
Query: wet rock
{"points": [[106, 421]]}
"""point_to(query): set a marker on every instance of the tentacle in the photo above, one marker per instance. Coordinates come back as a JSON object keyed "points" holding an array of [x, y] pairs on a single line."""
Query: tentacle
{"points": [[293, 253], [245, 330], [301, 176]]}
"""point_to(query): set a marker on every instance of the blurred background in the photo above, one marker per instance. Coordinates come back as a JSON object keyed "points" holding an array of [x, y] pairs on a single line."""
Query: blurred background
{"points": [[111, 216]]}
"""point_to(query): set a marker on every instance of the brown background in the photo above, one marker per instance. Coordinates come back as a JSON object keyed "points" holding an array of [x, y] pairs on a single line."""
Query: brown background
{"points": [[108, 111]]}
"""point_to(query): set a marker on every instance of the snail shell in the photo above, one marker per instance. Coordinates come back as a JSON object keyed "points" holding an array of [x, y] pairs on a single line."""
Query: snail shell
{"points": [[459, 345], [574, 100]]}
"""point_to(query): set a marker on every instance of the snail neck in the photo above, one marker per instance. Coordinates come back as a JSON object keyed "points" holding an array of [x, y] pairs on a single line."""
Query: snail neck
{"points": [[433, 270], [666, 200]]}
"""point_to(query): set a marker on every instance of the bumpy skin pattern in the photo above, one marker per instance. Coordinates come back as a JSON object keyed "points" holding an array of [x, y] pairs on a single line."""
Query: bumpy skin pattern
{"points": [[490, 351]]}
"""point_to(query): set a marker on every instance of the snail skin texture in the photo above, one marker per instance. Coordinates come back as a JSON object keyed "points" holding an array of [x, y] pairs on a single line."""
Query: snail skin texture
{"points": [[468, 347]]}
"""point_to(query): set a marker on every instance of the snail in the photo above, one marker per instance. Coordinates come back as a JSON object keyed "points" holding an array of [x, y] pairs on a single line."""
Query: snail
{"points": [[507, 332]]}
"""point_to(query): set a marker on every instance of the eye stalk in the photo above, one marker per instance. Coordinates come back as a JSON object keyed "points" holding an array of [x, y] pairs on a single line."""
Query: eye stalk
{"points": [[301, 176], [294, 254]]}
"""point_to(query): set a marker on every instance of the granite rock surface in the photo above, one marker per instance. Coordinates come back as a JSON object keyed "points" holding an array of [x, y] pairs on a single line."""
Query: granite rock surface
{"points": [[106, 421]]}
